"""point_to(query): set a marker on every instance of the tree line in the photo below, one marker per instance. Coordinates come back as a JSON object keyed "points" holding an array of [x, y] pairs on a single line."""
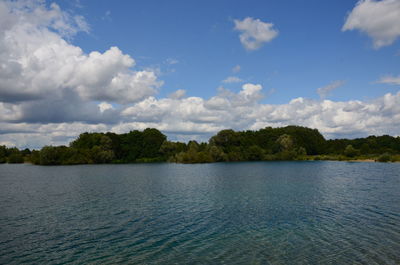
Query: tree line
{"points": [[150, 145]]}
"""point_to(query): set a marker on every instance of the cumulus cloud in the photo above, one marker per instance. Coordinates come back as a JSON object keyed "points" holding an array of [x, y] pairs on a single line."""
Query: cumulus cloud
{"points": [[183, 118], [35, 12], [243, 110], [106, 76], [10, 112], [380, 20], [180, 93], [103, 106], [51, 91], [232, 79], [254, 32], [37, 62], [210, 115], [393, 80], [31, 135], [323, 92]]}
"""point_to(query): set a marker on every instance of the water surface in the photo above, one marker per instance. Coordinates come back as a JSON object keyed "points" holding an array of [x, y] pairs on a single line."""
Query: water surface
{"points": [[223, 213]]}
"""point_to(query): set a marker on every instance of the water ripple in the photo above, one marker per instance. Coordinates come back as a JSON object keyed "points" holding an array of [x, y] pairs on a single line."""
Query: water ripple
{"points": [[237, 213]]}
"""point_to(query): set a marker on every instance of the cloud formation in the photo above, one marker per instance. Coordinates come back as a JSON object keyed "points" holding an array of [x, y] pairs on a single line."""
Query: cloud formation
{"points": [[37, 62], [51, 91], [185, 118], [380, 20], [393, 80], [232, 79], [323, 92], [243, 110], [254, 32]]}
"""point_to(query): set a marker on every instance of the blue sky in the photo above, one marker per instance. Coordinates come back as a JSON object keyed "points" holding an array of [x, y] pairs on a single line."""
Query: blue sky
{"points": [[310, 51], [192, 68]]}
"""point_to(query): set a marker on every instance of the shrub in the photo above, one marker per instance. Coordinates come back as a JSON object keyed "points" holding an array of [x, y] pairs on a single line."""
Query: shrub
{"points": [[395, 158], [350, 151], [384, 158], [15, 158]]}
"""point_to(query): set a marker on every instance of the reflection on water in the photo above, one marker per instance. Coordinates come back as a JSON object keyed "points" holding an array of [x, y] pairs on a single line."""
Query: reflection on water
{"points": [[233, 213]]}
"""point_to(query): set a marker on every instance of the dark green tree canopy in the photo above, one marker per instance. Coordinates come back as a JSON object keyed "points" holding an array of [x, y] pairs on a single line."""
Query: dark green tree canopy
{"points": [[150, 145]]}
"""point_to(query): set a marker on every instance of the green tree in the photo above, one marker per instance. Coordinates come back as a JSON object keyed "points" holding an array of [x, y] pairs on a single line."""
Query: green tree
{"points": [[217, 154], [152, 141], [101, 155], [254, 153], [384, 157], [3, 154], [14, 156], [34, 158], [55, 155], [226, 139], [285, 142], [169, 149], [350, 151], [301, 151]]}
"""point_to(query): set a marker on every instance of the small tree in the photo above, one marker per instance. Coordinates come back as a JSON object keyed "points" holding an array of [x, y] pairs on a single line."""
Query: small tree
{"points": [[15, 158], [350, 151], [286, 142], [3, 154], [217, 154], [384, 158]]}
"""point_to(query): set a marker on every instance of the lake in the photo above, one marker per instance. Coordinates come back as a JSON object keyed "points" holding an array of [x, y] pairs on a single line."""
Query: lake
{"points": [[224, 213]]}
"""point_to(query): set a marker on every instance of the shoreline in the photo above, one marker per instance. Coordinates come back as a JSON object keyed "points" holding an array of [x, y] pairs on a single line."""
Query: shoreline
{"points": [[364, 160], [301, 160]]}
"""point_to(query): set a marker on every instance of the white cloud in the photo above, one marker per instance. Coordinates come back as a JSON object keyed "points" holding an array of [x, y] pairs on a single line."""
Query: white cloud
{"points": [[29, 135], [251, 91], [336, 119], [215, 113], [232, 79], [178, 94], [107, 77], [103, 106], [51, 91], [36, 62], [393, 80], [254, 32], [243, 110], [198, 118], [35, 12], [380, 20], [10, 112], [323, 92]]}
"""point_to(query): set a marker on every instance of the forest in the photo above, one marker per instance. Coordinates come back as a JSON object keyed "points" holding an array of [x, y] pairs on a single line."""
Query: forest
{"points": [[150, 145]]}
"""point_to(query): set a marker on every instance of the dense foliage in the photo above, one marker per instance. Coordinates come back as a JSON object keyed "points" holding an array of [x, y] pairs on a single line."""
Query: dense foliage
{"points": [[13, 155], [150, 145]]}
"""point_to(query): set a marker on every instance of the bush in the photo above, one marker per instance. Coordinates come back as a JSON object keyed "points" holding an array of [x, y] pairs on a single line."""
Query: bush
{"points": [[395, 158], [350, 151], [384, 158], [286, 155], [15, 158], [34, 158]]}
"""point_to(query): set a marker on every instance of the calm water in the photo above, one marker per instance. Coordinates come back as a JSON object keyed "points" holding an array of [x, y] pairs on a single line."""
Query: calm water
{"points": [[227, 213]]}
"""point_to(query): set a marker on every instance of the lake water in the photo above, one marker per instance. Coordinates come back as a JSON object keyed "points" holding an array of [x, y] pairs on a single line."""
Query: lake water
{"points": [[223, 213]]}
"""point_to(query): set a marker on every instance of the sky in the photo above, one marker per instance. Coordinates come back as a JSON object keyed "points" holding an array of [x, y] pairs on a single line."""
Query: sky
{"points": [[192, 68]]}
